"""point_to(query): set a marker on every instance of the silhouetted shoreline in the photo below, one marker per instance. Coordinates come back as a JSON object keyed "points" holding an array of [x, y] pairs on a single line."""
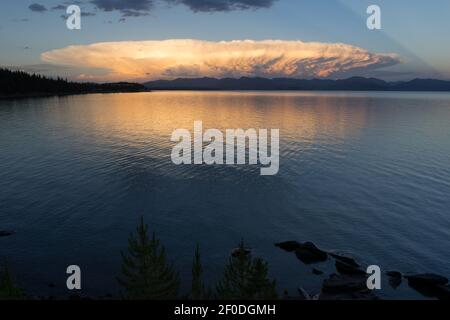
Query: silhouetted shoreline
{"points": [[18, 84]]}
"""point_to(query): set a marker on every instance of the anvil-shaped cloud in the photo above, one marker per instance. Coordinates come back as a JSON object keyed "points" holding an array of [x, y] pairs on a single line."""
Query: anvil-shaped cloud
{"points": [[168, 59]]}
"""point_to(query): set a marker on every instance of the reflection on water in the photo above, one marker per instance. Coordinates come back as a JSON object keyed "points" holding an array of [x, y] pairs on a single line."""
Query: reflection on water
{"points": [[366, 173]]}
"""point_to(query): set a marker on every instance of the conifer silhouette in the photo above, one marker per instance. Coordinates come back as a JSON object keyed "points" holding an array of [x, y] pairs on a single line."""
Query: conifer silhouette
{"points": [[198, 290], [8, 289], [246, 277], [146, 275]]}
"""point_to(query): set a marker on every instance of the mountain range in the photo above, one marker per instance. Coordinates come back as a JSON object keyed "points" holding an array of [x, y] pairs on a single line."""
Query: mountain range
{"points": [[247, 83]]}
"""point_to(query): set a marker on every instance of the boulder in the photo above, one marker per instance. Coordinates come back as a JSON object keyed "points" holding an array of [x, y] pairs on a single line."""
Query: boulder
{"points": [[5, 233], [336, 284], [346, 287], [358, 295], [317, 272], [426, 279], [394, 274], [309, 253], [395, 279], [347, 260], [289, 246], [443, 292], [429, 284], [344, 268]]}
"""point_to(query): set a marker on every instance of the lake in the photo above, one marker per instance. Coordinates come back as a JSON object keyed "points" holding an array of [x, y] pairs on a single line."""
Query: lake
{"points": [[364, 173]]}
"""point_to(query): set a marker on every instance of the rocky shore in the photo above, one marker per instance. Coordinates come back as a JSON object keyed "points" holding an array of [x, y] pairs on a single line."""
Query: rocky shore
{"points": [[349, 282]]}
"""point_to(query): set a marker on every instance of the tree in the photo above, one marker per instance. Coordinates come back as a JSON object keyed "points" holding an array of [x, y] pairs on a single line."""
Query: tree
{"points": [[8, 290], [197, 288], [146, 275], [246, 277]]}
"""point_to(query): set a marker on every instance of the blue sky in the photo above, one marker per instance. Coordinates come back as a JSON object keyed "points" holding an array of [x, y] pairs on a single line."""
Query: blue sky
{"points": [[416, 31]]}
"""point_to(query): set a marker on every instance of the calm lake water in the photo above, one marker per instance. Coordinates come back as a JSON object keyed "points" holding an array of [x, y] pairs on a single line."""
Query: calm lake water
{"points": [[367, 174]]}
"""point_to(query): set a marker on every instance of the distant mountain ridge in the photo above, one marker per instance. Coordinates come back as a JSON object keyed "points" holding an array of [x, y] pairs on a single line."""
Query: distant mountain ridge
{"points": [[247, 83]]}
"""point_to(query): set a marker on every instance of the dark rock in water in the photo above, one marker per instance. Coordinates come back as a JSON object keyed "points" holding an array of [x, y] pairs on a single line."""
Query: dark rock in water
{"points": [[426, 279], [309, 253], [289, 246], [346, 287], [395, 282], [344, 268], [394, 274], [347, 260], [4, 233], [51, 285], [317, 272], [395, 279], [344, 283], [358, 295], [443, 292], [429, 284]]}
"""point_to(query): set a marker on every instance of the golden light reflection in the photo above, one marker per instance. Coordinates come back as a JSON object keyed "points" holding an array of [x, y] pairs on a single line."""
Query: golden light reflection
{"points": [[143, 117]]}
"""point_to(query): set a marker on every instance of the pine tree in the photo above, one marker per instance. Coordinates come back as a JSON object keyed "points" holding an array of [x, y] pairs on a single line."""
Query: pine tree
{"points": [[146, 275], [246, 277], [197, 289], [8, 290]]}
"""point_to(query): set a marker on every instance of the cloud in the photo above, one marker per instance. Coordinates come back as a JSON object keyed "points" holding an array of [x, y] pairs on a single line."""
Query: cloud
{"points": [[59, 7], [83, 14], [223, 5], [36, 7], [168, 59], [128, 8], [136, 8]]}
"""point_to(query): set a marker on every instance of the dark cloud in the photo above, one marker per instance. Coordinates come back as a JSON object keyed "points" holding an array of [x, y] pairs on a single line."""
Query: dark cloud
{"points": [[134, 13], [36, 7], [126, 7], [223, 5], [87, 14], [59, 7], [136, 8], [83, 14]]}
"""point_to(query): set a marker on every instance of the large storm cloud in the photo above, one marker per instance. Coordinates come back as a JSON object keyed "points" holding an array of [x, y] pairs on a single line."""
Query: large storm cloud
{"points": [[168, 59]]}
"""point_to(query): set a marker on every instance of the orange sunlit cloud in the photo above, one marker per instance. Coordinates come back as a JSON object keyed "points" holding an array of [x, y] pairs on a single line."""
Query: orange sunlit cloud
{"points": [[168, 59]]}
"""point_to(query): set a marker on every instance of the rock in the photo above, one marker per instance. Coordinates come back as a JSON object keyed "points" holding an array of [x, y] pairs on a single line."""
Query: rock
{"points": [[443, 292], [289, 246], [309, 253], [395, 282], [337, 284], [395, 279], [317, 272], [344, 268], [74, 297], [5, 233], [426, 279], [304, 295], [346, 287], [394, 274], [347, 260], [358, 295], [429, 284]]}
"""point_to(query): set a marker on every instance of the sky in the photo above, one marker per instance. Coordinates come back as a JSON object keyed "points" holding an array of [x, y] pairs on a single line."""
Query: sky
{"points": [[138, 40]]}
